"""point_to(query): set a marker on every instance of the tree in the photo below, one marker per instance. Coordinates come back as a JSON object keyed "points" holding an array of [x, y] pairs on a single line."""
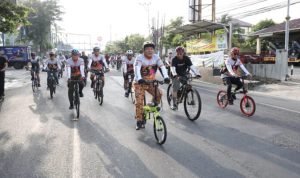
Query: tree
{"points": [[172, 40], [12, 16], [133, 42], [263, 24], [44, 15]]}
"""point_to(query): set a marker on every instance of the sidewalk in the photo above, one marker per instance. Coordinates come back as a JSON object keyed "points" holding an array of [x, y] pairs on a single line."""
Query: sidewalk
{"points": [[285, 90]]}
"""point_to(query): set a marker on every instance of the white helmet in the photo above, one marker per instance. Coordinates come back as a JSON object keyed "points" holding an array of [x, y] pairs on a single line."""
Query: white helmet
{"points": [[129, 52]]}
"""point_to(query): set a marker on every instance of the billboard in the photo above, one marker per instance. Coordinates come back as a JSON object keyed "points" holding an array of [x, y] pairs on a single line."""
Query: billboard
{"points": [[214, 43]]}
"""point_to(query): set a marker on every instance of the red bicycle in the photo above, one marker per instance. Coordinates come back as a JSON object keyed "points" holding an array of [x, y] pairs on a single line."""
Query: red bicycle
{"points": [[247, 104]]}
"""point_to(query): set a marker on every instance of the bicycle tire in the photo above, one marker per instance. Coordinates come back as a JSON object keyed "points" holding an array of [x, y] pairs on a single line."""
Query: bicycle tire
{"points": [[186, 104], [100, 96], [246, 100], [157, 129], [51, 88], [222, 99], [33, 85], [169, 95]]}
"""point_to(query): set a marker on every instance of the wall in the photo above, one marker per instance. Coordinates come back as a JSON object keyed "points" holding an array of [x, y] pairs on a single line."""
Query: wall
{"points": [[275, 71]]}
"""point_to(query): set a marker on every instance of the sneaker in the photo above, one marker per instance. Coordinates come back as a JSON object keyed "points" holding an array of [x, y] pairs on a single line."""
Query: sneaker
{"points": [[230, 102], [81, 94], [138, 125], [39, 85], [174, 107], [126, 94], [233, 96], [71, 107], [143, 123]]}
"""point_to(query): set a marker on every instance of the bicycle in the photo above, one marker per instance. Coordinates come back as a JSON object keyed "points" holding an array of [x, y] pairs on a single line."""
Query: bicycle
{"points": [[159, 125], [130, 88], [76, 99], [34, 82], [247, 104], [61, 71], [51, 82], [190, 97], [98, 85]]}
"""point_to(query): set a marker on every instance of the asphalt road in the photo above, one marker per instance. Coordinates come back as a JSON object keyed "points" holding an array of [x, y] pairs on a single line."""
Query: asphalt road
{"points": [[38, 137]]}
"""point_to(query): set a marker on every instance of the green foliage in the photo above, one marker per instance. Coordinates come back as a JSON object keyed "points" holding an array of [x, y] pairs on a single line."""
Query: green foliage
{"points": [[133, 42], [12, 16], [172, 40], [263, 24], [44, 14]]}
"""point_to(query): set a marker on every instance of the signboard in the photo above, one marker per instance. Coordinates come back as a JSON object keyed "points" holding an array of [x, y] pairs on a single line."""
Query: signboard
{"points": [[222, 41], [215, 43]]}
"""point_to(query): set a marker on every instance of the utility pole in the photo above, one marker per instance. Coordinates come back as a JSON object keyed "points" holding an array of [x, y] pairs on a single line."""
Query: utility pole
{"points": [[287, 28], [199, 10], [213, 11]]}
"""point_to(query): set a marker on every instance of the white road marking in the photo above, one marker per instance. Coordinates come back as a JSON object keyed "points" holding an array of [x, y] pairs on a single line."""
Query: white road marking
{"points": [[76, 167]]}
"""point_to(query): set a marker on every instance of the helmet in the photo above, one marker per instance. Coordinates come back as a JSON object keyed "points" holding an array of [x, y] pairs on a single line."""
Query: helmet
{"points": [[96, 49], [235, 51], [51, 53], [148, 44], [75, 52], [129, 52], [179, 48]]}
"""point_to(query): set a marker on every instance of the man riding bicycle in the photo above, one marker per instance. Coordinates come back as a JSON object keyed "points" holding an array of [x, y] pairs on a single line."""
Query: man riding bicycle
{"points": [[75, 71], [35, 67], [229, 73], [127, 68], [52, 65], [146, 66], [97, 63], [179, 67]]}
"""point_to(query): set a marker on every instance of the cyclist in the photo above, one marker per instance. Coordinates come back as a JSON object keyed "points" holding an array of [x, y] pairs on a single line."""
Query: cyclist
{"points": [[53, 65], [107, 58], [75, 71], [229, 73], [62, 60], [3, 67], [97, 63], [179, 68], [86, 63], [127, 68], [168, 62], [35, 67], [146, 66]]}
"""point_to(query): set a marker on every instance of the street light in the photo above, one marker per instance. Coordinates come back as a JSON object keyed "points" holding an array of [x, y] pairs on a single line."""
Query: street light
{"points": [[146, 5]]}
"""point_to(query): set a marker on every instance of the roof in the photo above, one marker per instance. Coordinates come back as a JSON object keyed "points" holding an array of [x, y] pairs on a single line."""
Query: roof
{"points": [[279, 28], [240, 23], [202, 26]]}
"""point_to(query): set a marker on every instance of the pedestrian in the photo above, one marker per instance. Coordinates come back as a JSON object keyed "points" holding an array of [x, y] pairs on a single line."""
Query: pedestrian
{"points": [[3, 66]]}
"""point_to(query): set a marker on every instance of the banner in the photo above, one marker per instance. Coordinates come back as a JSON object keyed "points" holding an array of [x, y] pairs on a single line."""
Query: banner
{"points": [[208, 60], [215, 43]]}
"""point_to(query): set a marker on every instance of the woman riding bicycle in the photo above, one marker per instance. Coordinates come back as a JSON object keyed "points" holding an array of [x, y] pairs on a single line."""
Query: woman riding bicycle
{"points": [[146, 66], [229, 73], [179, 67]]}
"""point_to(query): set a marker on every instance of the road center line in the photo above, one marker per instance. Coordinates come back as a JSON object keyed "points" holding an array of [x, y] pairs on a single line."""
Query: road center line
{"points": [[76, 167]]}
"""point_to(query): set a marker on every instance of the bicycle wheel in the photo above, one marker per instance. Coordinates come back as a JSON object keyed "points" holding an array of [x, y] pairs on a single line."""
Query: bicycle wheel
{"points": [[222, 99], [95, 91], [169, 94], [247, 106], [160, 130], [34, 86], [77, 106], [51, 88], [100, 96], [192, 104]]}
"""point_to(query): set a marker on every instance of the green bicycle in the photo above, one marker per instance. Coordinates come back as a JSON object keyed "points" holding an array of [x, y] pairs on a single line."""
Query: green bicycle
{"points": [[159, 125]]}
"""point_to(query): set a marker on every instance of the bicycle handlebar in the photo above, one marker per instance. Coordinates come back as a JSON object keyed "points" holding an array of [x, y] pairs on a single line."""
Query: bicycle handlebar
{"points": [[154, 82]]}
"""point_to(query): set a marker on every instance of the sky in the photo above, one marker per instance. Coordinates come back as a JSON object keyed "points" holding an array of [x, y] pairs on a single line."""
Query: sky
{"points": [[114, 19]]}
